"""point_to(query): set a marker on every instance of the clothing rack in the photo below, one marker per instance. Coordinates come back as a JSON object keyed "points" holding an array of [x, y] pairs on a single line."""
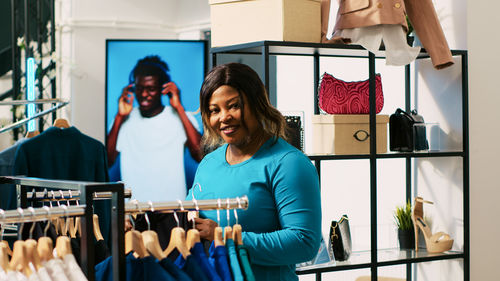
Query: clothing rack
{"points": [[188, 205], [85, 209], [64, 195], [37, 101], [41, 214], [39, 114], [119, 208]]}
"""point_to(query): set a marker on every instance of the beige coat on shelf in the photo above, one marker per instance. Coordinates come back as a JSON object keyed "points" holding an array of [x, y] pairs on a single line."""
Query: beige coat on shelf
{"points": [[422, 15]]}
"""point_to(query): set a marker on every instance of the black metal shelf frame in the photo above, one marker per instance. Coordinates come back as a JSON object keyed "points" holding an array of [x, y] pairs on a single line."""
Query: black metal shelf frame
{"points": [[86, 190], [317, 50]]}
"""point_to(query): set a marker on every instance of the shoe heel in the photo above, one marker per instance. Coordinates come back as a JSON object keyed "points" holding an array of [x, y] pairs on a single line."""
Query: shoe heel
{"points": [[415, 229]]}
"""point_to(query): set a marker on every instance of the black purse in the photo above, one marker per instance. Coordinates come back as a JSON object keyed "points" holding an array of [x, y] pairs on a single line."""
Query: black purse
{"points": [[340, 239], [407, 132]]}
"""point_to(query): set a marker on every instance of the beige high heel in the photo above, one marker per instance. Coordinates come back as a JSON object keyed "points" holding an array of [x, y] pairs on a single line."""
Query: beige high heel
{"points": [[435, 243]]}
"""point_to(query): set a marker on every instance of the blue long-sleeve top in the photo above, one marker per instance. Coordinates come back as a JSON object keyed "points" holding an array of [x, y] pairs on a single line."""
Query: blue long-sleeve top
{"points": [[282, 225]]}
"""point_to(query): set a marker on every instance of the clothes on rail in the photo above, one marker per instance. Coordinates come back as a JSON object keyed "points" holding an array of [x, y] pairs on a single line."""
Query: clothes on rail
{"points": [[26, 264], [101, 249], [198, 252], [66, 154], [200, 264], [218, 258], [162, 224]]}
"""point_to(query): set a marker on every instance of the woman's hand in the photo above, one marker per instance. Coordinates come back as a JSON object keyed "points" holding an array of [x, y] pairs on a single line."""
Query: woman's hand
{"points": [[173, 93], [126, 101], [206, 227]]}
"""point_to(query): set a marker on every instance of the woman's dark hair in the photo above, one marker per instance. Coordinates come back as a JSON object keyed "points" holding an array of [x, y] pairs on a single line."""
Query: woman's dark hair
{"points": [[247, 82], [151, 66]]}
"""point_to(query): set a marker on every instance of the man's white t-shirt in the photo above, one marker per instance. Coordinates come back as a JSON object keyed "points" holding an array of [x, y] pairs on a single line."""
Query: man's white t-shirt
{"points": [[152, 155]]}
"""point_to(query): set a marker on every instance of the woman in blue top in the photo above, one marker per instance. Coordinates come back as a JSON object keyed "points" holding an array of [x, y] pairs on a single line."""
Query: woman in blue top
{"points": [[282, 225]]}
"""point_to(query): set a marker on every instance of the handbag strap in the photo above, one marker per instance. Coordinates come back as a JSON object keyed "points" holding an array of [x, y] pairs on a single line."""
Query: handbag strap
{"points": [[400, 111]]}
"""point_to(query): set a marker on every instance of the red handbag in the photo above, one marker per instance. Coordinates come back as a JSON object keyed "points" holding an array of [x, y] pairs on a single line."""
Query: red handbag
{"points": [[340, 97]]}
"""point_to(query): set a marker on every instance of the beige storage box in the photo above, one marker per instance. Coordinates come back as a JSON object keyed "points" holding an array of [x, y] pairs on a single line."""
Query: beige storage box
{"points": [[347, 134], [243, 21]]}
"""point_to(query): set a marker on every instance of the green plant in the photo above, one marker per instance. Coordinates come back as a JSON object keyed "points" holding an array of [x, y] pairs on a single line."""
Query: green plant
{"points": [[402, 216], [410, 27]]}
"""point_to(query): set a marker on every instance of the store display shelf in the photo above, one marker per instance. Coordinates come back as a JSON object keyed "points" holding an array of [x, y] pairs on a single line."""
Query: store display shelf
{"points": [[386, 257], [306, 49], [386, 155]]}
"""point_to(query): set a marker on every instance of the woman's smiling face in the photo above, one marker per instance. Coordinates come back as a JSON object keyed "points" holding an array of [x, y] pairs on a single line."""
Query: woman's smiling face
{"points": [[226, 116]]}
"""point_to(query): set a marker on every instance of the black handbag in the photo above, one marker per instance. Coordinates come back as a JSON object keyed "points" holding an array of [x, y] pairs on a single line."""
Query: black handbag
{"points": [[340, 239], [407, 132]]}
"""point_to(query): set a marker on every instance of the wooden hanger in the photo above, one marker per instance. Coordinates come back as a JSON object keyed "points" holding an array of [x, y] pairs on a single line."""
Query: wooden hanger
{"points": [[150, 239], [193, 235], [32, 134], [45, 248], [78, 226], [177, 241], [237, 237], [7, 247], [63, 246], [32, 253], [31, 245], [97, 228], [45, 245], [19, 262], [61, 123], [177, 238], [134, 243], [237, 229], [228, 233], [218, 239], [4, 257], [152, 244], [71, 228]]}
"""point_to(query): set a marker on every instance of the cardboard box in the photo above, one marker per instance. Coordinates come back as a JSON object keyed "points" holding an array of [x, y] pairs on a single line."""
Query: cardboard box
{"points": [[347, 134], [243, 21]]}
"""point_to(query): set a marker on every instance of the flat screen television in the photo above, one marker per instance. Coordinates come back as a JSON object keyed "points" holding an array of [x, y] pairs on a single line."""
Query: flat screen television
{"points": [[186, 66]]}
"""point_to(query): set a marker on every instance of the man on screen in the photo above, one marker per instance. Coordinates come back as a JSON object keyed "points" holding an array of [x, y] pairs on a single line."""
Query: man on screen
{"points": [[151, 138]]}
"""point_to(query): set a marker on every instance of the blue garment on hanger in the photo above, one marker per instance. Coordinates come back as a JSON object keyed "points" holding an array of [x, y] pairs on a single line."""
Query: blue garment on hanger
{"points": [[191, 267], [233, 260], [245, 262], [198, 253], [217, 256], [145, 269], [174, 270]]}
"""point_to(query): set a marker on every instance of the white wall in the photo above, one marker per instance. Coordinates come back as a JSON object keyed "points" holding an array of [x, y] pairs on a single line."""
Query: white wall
{"points": [[484, 98]]}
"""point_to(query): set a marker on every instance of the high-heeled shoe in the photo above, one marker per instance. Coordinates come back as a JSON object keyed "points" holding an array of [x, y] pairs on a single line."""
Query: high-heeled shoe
{"points": [[435, 243]]}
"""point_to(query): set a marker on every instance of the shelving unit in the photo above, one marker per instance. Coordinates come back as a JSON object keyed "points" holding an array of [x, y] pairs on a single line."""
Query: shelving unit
{"points": [[375, 257]]}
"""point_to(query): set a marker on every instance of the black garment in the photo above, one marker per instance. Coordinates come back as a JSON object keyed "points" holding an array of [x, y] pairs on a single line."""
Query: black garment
{"points": [[101, 251], [7, 156], [162, 224], [66, 154]]}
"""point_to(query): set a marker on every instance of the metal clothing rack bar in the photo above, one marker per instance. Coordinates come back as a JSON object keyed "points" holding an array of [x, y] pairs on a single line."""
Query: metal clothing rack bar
{"points": [[87, 190], [188, 205], [64, 195], [26, 120], [40, 214], [38, 101]]}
